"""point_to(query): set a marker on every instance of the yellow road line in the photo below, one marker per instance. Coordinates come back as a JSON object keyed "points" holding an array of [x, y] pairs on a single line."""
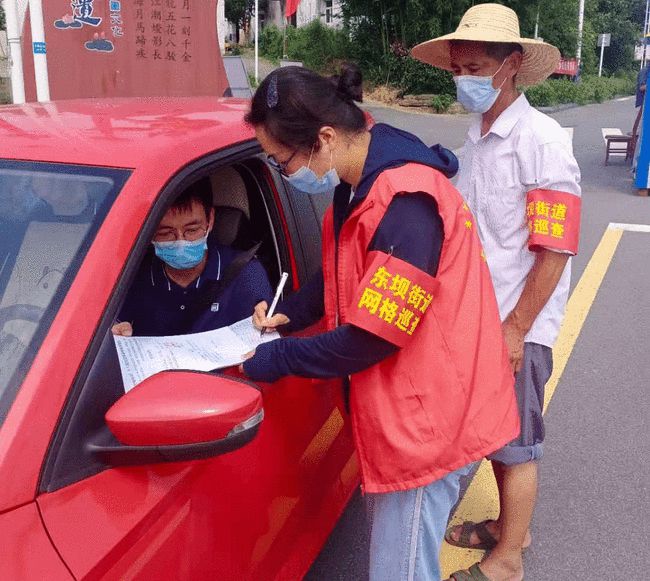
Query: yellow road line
{"points": [[481, 501]]}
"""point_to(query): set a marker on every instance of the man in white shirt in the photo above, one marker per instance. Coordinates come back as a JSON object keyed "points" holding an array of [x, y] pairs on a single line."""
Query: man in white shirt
{"points": [[521, 181]]}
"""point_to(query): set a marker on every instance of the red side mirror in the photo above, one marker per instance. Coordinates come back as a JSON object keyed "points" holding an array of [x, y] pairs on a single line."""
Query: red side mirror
{"points": [[184, 407]]}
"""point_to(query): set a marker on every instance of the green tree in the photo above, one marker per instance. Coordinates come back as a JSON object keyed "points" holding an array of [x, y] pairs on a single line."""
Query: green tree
{"points": [[382, 32], [238, 12], [623, 19], [3, 26]]}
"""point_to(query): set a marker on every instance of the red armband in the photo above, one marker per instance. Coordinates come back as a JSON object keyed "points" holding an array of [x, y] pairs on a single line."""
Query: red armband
{"points": [[553, 220], [392, 298]]}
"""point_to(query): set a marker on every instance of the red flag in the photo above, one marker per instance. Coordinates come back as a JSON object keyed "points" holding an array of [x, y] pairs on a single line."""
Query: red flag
{"points": [[290, 8]]}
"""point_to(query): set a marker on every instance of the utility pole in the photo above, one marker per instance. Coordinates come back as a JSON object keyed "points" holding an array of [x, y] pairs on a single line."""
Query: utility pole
{"points": [[603, 41], [602, 54], [645, 32], [581, 21], [15, 53], [257, 42], [537, 21], [39, 50]]}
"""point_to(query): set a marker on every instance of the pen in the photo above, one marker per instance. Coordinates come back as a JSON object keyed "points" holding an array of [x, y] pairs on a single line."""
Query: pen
{"points": [[276, 298]]}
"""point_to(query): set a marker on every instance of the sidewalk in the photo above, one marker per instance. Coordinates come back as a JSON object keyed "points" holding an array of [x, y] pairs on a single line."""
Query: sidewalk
{"points": [[265, 66]]}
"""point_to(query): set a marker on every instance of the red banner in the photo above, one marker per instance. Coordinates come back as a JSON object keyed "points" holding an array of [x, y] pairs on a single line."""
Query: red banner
{"points": [[125, 48], [290, 7], [567, 67]]}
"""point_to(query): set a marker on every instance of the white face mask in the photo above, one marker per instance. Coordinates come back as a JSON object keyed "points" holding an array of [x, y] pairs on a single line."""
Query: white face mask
{"points": [[476, 93]]}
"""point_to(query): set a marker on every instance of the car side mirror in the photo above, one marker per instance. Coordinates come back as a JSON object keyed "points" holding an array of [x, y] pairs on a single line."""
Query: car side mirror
{"points": [[181, 415]]}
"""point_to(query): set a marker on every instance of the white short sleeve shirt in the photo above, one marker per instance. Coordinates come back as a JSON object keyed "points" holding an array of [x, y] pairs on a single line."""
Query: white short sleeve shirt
{"points": [[519, 179]]}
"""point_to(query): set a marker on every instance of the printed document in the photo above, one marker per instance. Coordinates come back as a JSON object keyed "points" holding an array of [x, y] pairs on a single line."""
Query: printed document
{"points": [[142, 357]]}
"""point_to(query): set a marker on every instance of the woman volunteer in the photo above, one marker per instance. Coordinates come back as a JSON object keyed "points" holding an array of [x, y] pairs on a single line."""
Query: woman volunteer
{"points": [[409, 307]]}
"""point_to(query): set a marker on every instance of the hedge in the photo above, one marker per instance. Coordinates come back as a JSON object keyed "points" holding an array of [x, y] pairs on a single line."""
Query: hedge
{"points": [[321, 48], [590, 89]]}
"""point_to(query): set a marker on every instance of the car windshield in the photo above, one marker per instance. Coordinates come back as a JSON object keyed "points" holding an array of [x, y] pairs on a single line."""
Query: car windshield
{"points": [[49, 215]]}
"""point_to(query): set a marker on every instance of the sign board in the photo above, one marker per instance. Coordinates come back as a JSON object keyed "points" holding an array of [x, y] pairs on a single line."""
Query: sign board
{"points": [[40, 48], [642, 175], [120, 48], [638, 52], [567, 67], [604, 39], [237, 78]]}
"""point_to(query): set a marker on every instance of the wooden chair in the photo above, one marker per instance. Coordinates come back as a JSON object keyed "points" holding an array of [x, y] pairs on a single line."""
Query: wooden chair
{"points": [[617, 144]]}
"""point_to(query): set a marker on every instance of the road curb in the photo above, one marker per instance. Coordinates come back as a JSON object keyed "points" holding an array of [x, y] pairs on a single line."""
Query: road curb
{"points": [[557, 108]]}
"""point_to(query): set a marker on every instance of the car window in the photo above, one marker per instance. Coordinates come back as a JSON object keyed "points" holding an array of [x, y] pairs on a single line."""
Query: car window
{"points": [[49, 214], [248, 214]]}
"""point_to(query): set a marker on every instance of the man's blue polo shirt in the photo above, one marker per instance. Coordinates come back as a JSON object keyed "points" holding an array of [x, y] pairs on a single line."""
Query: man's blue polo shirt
{"points": [[157, 306]]}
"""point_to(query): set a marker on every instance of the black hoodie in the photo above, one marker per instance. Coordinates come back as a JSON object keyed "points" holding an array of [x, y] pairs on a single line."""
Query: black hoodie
{"points": [[349, 349]]}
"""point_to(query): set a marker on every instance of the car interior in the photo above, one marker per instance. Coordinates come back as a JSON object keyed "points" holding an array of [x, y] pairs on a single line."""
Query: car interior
{"points": [[243, 217], [43, 245]]}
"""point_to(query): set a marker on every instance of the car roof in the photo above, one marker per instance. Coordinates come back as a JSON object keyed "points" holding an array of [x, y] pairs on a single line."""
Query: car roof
{"points": [[128, 132]]}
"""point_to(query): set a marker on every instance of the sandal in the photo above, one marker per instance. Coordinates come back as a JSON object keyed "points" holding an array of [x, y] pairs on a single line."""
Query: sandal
{"points": [[487, 540], [474, 573]]}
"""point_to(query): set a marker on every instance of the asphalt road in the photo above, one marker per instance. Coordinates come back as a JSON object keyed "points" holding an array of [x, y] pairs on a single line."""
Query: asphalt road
{"points": [[592, 519]]}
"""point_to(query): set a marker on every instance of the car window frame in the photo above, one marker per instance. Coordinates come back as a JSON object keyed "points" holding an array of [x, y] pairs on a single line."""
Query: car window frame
{"points": [[247, 154]]}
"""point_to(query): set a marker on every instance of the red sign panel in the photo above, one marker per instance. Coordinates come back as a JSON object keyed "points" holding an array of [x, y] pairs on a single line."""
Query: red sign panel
{"points": [[567, 67], [126, 48]]}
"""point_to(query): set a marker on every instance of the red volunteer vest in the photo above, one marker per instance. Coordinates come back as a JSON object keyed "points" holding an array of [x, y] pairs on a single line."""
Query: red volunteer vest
{"points": [[446, 398]]}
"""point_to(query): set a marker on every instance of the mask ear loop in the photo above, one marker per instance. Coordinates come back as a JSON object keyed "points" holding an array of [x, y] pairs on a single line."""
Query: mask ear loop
{"points": [[497, 72], [311, 153]]}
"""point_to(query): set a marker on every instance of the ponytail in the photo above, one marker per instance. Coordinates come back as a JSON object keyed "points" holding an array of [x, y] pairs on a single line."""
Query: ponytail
{"points": [[293, 103]]}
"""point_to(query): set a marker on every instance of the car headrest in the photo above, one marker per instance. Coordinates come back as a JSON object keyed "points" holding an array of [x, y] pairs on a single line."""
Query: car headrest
{"points": [[231, 208], [229, 190]]}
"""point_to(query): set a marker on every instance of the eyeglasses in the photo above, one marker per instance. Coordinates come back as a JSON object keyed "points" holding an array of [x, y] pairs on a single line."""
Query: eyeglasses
{"points": [[280, 166], [191, 234]]}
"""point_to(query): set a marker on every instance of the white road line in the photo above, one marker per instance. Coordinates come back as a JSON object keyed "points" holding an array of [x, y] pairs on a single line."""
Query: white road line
{"points": [[629, 227], [611, 131]]}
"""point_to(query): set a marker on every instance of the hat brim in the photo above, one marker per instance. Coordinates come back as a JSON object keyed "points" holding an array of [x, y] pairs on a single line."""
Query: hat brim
{"points": [[540, 59]]}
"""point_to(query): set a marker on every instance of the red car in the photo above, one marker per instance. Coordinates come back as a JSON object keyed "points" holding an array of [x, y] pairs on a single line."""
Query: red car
{"points": [[181, 478]]}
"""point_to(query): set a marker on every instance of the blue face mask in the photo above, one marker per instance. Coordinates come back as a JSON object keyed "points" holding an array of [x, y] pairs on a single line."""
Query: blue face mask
{"points": [[307, 181], [181, 254], [477, 94]]}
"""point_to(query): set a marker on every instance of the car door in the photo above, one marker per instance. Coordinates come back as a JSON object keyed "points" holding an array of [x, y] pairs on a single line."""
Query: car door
{"points": [[260, 512]]}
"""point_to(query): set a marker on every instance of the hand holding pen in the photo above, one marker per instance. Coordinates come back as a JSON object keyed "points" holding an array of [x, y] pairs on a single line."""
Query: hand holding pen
{"points": [[267, 320]]}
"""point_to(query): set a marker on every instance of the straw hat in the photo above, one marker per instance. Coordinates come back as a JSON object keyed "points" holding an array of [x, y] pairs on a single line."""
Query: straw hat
{"points": [[498, 24]]}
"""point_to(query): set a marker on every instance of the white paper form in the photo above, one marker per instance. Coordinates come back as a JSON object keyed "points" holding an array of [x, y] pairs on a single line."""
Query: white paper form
{"points": [[142, 357]]}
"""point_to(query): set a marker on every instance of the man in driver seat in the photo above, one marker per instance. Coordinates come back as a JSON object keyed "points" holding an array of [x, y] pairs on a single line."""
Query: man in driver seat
{"points": [[190, 283]]}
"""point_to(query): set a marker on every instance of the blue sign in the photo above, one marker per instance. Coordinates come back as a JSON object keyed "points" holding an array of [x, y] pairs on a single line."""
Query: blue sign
{"points": [[39, 48], [642, 176]]}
